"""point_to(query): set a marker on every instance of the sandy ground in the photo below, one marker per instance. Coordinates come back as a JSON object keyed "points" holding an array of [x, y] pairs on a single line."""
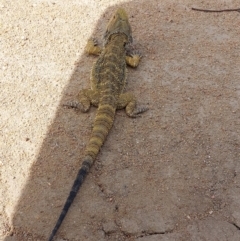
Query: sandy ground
{"points": [[171, 175]]}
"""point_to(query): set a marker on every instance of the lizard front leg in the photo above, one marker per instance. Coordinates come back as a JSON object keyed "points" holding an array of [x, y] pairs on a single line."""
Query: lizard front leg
{"points": [[92, 47], [133, 59], [86, 97], [128, 100]]}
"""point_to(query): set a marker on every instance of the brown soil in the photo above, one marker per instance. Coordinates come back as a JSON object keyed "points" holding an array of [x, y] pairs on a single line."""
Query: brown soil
{"points": [[171, 175]]}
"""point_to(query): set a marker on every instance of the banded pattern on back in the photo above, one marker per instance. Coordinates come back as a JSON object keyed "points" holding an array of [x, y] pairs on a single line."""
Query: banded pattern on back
{"points": [[108, 81]]}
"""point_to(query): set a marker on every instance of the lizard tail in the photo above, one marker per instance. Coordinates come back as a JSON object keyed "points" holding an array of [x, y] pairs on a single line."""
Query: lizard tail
{"points": [[102, 125], [76, 185]]}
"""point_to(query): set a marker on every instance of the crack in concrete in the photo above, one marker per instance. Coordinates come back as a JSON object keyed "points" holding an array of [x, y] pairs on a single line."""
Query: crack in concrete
{"points": [[149, 233], [234, 224]]}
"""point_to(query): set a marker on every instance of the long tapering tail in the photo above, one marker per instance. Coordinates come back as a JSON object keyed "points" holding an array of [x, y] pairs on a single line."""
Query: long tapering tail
{"points": [[76, 185], [102, 125]]}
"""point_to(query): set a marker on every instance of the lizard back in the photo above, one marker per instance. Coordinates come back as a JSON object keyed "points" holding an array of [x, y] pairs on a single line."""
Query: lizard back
{"points": [[108, 81]]}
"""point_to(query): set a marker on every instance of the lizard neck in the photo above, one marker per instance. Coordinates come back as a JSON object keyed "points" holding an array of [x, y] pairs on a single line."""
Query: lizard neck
{"points": [[117, 39]]}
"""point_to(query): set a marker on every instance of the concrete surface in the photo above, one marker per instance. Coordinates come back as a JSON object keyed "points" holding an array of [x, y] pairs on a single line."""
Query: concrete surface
{"points": [[172, 174]]}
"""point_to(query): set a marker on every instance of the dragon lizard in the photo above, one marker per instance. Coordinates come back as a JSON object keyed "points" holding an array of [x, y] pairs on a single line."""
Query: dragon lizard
{"points": [[108, 81]]}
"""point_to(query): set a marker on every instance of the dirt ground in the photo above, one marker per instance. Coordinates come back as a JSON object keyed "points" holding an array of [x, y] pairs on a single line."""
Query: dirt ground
{"points": [[171, 175]]}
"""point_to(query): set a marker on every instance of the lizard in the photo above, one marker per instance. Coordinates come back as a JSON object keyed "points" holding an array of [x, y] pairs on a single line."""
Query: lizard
{"points": [[108, 82]]}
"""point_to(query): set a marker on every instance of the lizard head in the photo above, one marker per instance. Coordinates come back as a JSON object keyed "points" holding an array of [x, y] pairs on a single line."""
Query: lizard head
{"points": [[118, 24]]}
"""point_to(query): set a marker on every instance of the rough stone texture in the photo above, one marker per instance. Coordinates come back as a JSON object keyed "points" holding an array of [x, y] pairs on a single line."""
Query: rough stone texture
{"points": [[175, 169], [146, 221], [161, 237], [234, 196], [109, 227], [212, 230]]}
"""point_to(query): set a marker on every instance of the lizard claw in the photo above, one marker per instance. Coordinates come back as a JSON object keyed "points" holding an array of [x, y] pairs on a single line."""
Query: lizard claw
{"points": [[93, 41], [133, 58], [75, 105], [72, 104], [92, 47], [138, 111], [136, 54]]}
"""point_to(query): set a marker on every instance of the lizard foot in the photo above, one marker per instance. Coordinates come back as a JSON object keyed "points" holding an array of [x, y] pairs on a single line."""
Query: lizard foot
{"points": [[92, 47], [138, 111], [133, 58], [136, 54], [94, 41], [76, 105]]}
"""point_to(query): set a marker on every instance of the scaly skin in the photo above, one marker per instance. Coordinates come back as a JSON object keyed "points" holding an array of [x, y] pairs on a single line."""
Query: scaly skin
{"points": [[108, 80]]}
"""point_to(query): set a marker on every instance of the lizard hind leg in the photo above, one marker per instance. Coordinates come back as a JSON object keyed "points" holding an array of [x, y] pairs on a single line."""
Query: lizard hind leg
{"points": [[128, 100], [86, 97]]}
